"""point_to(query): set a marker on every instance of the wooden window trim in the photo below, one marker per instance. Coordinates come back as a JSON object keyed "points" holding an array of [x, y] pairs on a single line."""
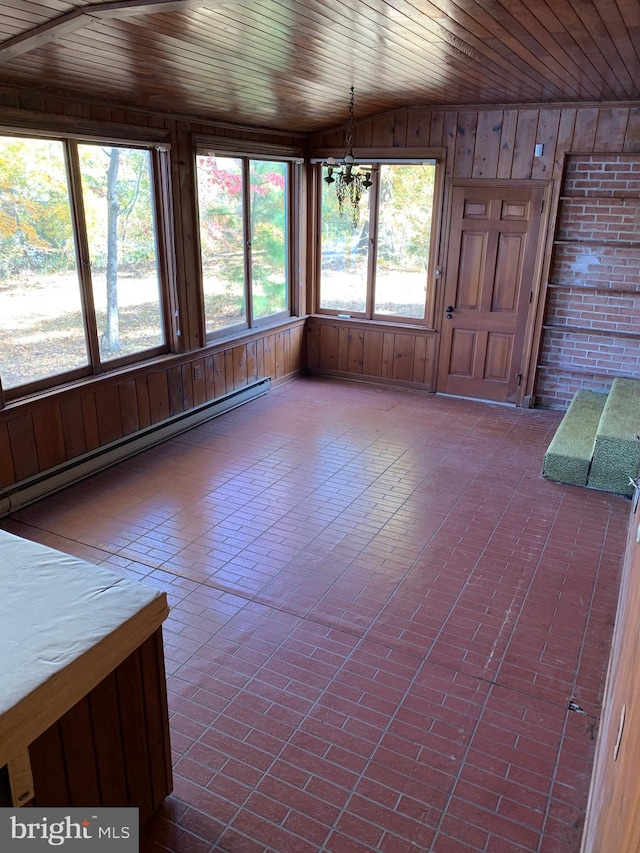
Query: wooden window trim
{"points": [[246, 152], [161, 211], [83, 257], [224, 146], [376, 157], [19, 122]]}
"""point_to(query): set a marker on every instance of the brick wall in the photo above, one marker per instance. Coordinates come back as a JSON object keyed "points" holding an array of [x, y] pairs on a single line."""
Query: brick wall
{"points": [[612, 175], [613, 313], [594, 265], [592, 322], [598, 219]]}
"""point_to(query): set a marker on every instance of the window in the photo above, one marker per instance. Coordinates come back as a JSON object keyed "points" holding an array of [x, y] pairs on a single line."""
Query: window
{"points": [[244, 237], [80, 283], [378, 268]]}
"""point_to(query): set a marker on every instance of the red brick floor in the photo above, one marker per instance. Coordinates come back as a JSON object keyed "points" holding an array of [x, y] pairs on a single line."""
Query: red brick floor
{"points": [[380, 616]]}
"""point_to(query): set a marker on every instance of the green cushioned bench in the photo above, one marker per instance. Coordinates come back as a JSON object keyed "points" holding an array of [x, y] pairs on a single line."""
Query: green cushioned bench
{"points": [[616, 455], [568, 457]]}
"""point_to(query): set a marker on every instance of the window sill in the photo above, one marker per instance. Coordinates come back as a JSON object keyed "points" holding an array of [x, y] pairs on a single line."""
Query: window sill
{"points": [[380, 325], [131, 370], [144, 368], [243, 335]]}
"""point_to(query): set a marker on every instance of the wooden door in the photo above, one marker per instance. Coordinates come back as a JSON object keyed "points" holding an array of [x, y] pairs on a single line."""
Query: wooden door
{"points": [[489, 284]]}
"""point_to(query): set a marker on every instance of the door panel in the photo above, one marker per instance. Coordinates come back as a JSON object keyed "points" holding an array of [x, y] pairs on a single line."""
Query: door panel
{"points": [[519, 211], [492, 256], [472, 252], [463, 351], [498, 356], [475, 209], [510, 247]]}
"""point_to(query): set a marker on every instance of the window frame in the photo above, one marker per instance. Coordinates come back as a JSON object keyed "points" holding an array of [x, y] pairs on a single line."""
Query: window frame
{"points": [[160, 169], [375, 158], [266, 152]]}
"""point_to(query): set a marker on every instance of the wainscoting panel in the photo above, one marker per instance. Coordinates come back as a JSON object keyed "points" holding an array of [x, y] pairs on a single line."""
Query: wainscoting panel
{"points": [[41, 434], [373, 352]]}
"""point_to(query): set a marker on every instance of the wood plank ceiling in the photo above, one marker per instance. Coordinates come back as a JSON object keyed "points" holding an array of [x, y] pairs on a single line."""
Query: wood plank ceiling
{"points": [[288, 64]]}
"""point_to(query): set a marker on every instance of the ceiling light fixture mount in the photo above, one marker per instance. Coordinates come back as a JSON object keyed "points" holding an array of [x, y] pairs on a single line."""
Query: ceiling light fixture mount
{"points": [[350, 178]]}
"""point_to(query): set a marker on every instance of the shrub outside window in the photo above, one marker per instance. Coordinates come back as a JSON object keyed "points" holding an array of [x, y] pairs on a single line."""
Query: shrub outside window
{"points": [[379, 268], [80, 280], [243, 206]]}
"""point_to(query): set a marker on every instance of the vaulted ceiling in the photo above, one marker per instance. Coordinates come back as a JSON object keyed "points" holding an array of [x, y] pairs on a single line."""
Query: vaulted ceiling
{"points": [[289, 64]]}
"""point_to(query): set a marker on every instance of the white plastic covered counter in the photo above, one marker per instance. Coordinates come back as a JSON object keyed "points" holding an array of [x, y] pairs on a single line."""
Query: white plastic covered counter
{"points": [[65, 624]]}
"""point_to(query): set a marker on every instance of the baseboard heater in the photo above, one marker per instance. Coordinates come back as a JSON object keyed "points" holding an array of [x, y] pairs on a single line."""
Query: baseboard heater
{"points": [[54, 479]]}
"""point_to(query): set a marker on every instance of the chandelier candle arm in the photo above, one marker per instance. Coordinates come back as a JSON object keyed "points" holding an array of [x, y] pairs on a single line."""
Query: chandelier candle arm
{"points": [[350, 180]]}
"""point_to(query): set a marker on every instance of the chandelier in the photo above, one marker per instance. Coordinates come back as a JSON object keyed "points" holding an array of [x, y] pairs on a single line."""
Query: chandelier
{"points": [[349, 178]]}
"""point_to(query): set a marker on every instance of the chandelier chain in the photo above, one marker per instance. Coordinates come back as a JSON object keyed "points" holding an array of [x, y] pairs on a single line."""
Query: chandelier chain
{"points": [[348, 134]]}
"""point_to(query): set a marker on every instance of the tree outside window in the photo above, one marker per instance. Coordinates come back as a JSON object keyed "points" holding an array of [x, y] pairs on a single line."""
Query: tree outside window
{"points": [[118, 202], [40, 301], [379, 268], [79, 275], [243, 214]]}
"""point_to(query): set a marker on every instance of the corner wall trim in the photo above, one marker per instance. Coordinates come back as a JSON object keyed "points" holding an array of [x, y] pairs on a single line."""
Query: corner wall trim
{"points": [[27, 491]]}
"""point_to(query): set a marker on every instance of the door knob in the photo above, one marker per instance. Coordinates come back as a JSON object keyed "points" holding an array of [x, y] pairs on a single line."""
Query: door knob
{"points": [[449, 309]]}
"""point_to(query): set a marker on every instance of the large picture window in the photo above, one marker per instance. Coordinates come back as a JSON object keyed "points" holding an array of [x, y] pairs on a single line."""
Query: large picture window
{"points": [[244, 237], [378, 267], [80, 283]]}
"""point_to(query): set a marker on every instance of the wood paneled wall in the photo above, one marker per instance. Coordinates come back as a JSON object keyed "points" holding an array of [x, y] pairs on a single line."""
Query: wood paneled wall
{"points": [[61, 426], [372, 352], [111, 748], [498, 143], [490, 143]]}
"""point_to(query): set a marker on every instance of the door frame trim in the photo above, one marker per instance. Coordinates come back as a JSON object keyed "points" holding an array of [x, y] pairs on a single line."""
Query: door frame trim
{"points": [[533, 328]]}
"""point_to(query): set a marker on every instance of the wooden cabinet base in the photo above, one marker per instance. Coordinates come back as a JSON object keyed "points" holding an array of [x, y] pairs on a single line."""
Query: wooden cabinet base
{"points": [[612, 823], [112, 747]]}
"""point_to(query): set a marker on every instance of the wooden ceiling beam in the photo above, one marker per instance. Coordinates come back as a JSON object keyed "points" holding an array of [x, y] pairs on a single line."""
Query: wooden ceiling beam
{"points": [[82, 17], [124, 8], [42, 34]]}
